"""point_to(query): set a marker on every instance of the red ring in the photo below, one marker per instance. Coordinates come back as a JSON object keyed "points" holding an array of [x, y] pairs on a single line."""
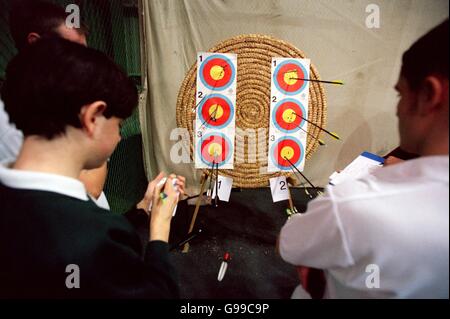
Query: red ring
{"points": [[207, 75], [208, 104], [280, 77], [207, 156], [277, 152]]}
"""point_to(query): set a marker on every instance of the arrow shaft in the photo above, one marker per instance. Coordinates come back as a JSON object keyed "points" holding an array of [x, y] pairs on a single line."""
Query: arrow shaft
{"points": [[320, 128], [321, 81], [316, 138], [298, 171]]}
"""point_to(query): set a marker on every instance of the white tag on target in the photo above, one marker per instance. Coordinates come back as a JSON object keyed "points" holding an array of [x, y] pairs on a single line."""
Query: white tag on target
{"points": [[279, 189], [225, 184]]}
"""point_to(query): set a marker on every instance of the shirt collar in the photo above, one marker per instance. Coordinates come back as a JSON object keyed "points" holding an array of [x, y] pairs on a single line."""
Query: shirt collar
{"points": [[434, 167], [29, 180]]}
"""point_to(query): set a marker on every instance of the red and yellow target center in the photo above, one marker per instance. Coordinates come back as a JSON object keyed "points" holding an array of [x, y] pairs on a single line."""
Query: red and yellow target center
{"points": [[289, 116], [217, 73], [215, 149], [287, 152], [216, 111], [291, 77]]}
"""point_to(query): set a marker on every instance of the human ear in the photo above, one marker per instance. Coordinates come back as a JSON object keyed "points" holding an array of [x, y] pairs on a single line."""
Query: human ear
{"points": [[90, 115], [32, 37], [431, 95]]}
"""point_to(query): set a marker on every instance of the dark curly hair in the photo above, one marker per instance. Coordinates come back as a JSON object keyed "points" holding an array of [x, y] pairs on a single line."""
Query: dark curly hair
{"points": [[427, 56], [48, 83], [42, 17]]}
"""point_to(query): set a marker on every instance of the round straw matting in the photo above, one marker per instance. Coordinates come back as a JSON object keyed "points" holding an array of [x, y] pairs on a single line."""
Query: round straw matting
{"points": [[254, 56]]}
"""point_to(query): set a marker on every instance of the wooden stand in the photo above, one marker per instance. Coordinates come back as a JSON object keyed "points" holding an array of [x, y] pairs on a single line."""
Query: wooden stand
{"points": [[291, 203], [203, 180]]}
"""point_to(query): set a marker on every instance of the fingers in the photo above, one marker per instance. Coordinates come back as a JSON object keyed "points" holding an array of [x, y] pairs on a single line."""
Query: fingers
{"points": [[157, 193], [181, 181], [153, 183], [158, 178], [169, 189], [181, 178]]}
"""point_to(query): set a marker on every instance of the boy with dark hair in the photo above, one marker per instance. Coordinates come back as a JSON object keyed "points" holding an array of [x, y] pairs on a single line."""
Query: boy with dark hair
{"points": [[30, 20], [386, 235], [69, 101]]}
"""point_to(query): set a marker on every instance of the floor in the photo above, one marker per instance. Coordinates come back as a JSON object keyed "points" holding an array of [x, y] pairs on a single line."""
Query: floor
{"points": [[247, 228]]}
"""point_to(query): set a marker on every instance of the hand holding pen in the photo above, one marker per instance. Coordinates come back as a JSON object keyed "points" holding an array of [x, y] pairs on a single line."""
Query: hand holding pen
{"points": [[165, 199]]}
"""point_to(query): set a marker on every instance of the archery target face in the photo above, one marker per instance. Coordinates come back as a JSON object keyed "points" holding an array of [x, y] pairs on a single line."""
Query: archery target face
{"points": [[214, 147], [287, 115], [217, 72], [287, 77], [216, 111], [287, 147]]}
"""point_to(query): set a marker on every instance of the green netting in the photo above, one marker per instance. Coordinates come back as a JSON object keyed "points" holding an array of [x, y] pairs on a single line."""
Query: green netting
{"points": [[126, 182], [7, 48], [114, 29]]}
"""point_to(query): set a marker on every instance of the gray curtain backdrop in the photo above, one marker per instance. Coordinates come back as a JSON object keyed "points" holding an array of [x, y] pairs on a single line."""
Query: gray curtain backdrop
{"points": [[333, 34]]}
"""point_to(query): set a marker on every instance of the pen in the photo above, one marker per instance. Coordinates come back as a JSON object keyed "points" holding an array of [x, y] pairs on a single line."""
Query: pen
{"points": [[223, 266]]}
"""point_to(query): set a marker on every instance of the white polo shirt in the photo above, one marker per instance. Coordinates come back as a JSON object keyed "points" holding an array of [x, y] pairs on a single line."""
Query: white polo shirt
{"points": [[11, 138], [29, 180], [395, 221]]}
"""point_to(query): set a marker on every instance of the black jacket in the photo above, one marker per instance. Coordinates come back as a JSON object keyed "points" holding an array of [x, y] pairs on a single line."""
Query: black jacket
{"points": [[41, 233]]}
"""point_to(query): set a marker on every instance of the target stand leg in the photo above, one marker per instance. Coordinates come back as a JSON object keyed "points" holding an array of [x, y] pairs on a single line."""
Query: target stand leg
{"points": [[291, 210], [203, 180], [291, 203]]}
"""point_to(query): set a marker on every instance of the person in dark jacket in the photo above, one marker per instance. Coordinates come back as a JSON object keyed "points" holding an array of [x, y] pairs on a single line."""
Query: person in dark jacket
{"points": [[69, 101]]}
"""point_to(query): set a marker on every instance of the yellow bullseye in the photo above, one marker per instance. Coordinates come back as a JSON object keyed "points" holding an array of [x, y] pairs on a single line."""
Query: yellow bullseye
{"points": [[287, 152], [289, 116], [290, 77], [215, 149], [216, 111], [217, 73]]}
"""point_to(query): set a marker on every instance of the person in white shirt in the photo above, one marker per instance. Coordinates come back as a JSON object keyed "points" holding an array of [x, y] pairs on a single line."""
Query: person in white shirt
{"points": [[11, 138], [386, 235]]}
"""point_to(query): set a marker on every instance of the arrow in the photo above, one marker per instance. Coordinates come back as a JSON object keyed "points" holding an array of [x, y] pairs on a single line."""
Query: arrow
{"points": [[333, 134], [321, 81]]}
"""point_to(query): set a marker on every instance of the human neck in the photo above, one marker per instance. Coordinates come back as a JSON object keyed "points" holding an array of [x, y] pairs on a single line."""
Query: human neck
{"points": [[437, 145], [57, 156]]}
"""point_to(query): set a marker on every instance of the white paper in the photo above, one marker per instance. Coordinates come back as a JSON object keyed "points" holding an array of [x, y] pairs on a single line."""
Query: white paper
{"points": [[225, 184], [279, 188], [208, 131], [364, 164], [288, 138]]}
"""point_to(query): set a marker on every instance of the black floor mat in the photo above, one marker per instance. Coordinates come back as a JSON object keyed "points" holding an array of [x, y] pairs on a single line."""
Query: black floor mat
{"points": [[247, 227]]}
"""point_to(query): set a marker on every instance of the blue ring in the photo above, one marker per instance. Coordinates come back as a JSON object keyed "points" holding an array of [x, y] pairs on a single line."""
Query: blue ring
{"points": [[276, 81], [218, 56], [200, 115], [274, 161], [274, 112], [199, 148]]}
